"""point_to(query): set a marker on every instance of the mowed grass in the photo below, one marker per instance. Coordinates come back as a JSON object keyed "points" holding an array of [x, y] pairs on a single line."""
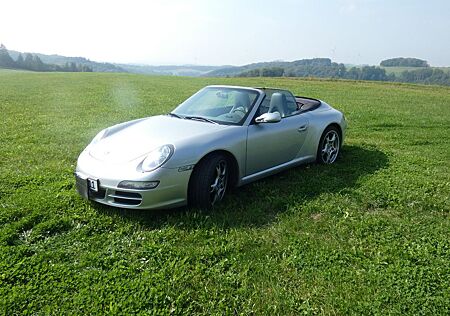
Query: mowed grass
{"points": [[368, 235]]}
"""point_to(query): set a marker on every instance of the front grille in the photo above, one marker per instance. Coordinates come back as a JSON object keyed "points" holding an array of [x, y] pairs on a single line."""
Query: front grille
{"points": [[126, 198]]}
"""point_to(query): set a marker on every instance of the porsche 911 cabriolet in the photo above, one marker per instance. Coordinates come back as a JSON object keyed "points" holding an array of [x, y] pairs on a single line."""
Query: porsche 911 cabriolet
{"points": [[221, 137]]}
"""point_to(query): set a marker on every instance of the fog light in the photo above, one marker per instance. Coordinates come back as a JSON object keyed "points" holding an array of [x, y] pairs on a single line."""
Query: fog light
{"points": [[138, 185]]}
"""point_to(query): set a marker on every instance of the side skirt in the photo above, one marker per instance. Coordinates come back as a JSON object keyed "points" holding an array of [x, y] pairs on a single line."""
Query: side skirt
{"points": [[276, 169]]}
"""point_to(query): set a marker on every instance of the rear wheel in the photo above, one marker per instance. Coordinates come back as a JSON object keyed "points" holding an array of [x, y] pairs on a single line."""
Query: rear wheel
{"points": [[329, 146], [209, 182]]}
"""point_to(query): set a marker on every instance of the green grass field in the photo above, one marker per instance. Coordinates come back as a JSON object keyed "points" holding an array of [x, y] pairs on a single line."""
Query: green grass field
{"points": [[369, 235]]}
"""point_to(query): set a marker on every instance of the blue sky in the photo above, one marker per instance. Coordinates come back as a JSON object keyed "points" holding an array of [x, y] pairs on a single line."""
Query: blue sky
{"points": [[230, 32]]}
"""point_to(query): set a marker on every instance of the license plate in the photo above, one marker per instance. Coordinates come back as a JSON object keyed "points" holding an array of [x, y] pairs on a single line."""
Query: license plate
{"points": [[93, 184]]}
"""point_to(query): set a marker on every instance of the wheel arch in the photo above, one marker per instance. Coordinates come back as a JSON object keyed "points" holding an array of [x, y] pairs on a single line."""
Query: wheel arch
{"points": [[234, 173], [338, 128]]}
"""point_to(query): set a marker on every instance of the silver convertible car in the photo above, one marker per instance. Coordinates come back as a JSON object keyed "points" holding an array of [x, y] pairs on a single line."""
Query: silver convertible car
{"points": [[222, 136]]}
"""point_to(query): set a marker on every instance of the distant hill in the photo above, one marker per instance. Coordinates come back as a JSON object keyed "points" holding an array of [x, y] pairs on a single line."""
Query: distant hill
{"points": [[168, 70], [172, 70], [32, 62], [325, 68], [294, 68], [232, 71], [62, 60], [395, 69]]}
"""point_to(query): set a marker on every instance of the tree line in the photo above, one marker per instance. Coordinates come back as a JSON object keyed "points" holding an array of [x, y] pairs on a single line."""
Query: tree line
{"points": [[404, 62], [324, 68], [34, 63]]}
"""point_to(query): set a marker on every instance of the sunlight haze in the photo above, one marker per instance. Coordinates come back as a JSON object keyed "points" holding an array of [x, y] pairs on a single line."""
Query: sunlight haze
{"points": [[229, 32]]}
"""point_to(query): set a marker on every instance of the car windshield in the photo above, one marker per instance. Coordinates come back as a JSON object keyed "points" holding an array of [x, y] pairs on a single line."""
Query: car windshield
{"points": [[223, 105]]}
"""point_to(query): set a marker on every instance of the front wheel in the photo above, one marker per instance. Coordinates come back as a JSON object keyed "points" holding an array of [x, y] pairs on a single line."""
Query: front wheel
{"points": [[209, 182], [329, 146]]}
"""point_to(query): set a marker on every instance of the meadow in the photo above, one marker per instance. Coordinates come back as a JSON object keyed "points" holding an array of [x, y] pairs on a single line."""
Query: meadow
{"points": [[368, 235]]}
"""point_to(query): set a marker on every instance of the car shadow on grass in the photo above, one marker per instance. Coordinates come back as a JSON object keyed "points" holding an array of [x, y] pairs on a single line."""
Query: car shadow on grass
{"points": [[259, 203]]}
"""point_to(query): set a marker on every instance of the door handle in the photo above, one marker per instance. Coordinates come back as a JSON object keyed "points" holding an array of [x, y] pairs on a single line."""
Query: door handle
{"points": [[302, 128]]}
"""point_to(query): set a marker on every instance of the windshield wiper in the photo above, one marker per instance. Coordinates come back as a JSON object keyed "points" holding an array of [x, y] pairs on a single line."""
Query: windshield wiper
{"points": [[200, 118], [175, 115]]}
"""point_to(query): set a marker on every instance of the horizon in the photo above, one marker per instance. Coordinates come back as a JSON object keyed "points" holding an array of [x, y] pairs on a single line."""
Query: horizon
{"points": [[207, 65], [200, 33]]}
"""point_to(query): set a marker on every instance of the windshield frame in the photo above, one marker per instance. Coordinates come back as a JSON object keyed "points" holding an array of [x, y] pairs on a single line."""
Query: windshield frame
{"points": [[233, 88]]}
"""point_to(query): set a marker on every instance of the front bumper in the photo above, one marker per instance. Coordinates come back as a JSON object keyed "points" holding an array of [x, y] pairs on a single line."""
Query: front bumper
{"points": [[171, 191]]}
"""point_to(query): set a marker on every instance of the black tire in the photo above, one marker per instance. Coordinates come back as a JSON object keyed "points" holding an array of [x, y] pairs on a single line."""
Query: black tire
{"points": [[329, 146], [209, 181]]}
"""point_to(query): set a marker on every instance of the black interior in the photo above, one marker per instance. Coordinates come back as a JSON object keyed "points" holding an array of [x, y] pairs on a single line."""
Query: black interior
{"points": [[305, 104]]}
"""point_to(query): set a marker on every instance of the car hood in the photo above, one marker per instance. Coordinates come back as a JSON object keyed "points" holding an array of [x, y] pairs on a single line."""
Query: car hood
{"points": [[138, 138]]}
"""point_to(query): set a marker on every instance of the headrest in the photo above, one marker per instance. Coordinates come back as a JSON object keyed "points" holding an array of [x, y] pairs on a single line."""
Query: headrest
{"points": [[242, 99], [277, 103]]}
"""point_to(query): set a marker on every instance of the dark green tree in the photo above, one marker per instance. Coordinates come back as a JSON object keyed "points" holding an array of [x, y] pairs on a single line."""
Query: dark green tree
{"points": [[72, 67], [404, 62], [28, 61], [86, 68], [38, 65], [20, 62], [5, 59], [251, 73], [272, 72]]}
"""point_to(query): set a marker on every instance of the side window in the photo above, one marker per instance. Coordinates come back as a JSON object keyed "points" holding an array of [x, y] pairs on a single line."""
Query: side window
{"points": [[286, 106], [264, 107]]}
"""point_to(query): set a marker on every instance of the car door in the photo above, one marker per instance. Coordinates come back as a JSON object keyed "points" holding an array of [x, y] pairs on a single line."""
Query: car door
{"points": [[272, 144]]}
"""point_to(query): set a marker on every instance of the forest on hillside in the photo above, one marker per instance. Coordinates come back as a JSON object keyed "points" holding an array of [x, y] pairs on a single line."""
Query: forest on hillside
{"points": [[404, 62], [34, 63], [325, 68]]}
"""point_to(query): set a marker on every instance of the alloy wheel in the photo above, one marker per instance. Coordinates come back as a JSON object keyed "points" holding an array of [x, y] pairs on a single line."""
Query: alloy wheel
{"points": [[330, 147], [219, 185]]}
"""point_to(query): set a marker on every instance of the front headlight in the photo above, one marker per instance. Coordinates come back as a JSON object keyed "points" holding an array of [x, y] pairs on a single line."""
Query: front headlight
{"points": [[157, 158]]}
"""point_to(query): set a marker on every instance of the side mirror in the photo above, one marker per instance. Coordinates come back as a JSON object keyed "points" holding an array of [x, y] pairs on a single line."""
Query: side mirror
{"points": [[273, 117]]}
